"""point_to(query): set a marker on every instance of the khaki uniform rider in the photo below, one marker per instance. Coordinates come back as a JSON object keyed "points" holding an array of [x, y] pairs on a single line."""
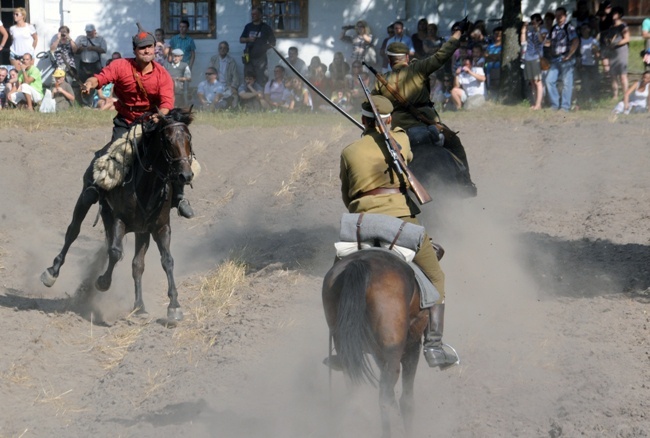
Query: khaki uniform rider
{"points": [[370, 185], [411, 81]]}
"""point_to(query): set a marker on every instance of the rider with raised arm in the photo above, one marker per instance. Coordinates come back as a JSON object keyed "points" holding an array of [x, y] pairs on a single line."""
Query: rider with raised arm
{"points": [[141, 86], [410, 80]]}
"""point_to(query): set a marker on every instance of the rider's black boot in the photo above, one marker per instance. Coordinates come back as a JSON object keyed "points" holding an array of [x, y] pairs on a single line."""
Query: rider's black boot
{"points": [[179, 201], [434, 350]]}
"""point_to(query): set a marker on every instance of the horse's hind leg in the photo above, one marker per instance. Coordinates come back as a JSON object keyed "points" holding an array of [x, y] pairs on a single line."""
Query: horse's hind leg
{"points": [[409, 367], [163, 239], [86, 199], [387, 403], [115, 233], [141, 246]]}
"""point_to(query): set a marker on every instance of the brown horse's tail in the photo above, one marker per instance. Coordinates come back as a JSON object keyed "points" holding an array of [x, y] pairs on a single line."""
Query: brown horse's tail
{"points": [[353, 331]]}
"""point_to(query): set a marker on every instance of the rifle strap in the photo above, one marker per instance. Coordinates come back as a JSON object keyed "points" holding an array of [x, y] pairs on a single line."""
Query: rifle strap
{"points": [[359, 231]]}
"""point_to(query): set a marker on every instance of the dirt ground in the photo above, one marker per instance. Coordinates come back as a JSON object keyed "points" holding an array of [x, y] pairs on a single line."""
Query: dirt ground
{"points": [[548, 284]]}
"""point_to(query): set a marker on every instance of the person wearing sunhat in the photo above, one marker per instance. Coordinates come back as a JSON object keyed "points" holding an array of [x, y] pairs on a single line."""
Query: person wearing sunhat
{"points": [[141, 86], [368, 186], [62, 92]]}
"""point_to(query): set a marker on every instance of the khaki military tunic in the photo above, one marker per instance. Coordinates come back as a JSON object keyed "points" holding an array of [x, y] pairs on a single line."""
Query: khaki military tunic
{"points": [[411, 81], [364, 167]]}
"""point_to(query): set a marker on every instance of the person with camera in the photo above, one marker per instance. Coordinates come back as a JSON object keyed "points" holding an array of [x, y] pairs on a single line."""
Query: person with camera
{"points": [[63, 47], [90, 47], [469, 86], [361, 40], [31, 83]]}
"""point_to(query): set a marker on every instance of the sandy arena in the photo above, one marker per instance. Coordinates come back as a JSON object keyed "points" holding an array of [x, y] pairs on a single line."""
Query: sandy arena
{"points": [[548, 284]]}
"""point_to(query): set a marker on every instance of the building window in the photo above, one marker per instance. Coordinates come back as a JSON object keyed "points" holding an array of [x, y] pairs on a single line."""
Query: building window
{"points": [[288, 18], [200, 14]]}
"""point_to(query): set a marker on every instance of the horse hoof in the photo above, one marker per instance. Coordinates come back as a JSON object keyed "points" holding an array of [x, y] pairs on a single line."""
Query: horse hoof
{"points": [[47, 278], [175, 314], [140, 312], [101, 284]]}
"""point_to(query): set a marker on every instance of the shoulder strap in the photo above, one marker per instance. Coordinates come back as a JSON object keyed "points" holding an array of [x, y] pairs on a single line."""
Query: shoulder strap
{"points": [[139, 82]]}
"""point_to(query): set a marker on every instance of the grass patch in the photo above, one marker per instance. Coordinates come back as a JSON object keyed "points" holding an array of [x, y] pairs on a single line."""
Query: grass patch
{"points": [[215, 296], [86, 118], [635, 62], [16, 374], [58, 400], [114, 346], [73, 118]]}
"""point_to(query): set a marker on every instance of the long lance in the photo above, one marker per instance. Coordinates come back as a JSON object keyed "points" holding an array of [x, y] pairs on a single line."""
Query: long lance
{"points": [[316, 90]]}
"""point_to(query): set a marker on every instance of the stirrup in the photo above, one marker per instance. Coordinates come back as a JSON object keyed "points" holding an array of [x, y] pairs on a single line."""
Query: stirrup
{"points": [[438, 357]]}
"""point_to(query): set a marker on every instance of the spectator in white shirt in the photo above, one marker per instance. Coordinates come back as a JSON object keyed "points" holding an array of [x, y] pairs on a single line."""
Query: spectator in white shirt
{"points": [[469, 86]]}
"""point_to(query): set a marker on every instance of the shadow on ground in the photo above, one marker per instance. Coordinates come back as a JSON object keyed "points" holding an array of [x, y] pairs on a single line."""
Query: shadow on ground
{"points": [[587, 268]]}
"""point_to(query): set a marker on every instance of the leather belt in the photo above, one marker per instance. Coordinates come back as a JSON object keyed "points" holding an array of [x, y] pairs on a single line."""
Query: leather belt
{"points": [[132, 108], [379, 191]]}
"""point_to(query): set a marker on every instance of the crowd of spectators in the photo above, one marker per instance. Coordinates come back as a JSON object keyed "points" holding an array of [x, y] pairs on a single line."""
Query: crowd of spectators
{"points": [[557, 50]]}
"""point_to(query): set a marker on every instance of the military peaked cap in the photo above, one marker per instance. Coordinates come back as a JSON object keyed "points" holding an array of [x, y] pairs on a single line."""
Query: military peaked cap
{"points": [[384, 106], [397, 49]]}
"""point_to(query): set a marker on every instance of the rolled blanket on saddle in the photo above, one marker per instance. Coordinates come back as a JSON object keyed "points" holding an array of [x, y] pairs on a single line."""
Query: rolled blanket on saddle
{"points": [[110, 169], [373, 227]]}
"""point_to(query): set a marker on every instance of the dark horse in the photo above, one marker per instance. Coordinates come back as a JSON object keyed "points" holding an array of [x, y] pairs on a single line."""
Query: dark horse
{"points": [[372, 305], [140, 205]]}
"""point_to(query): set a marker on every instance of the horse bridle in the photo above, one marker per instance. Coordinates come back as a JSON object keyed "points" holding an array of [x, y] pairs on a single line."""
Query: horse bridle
{"points": [[168, 158], [189, 158]]}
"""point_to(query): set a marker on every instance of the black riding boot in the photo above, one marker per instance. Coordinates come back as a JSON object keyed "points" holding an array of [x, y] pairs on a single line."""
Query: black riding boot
{"points": [[433, 348], [179, 201]]}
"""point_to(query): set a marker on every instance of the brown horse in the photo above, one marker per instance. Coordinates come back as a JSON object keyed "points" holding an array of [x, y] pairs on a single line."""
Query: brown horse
{"points": [[372, 305], [140, 205]]}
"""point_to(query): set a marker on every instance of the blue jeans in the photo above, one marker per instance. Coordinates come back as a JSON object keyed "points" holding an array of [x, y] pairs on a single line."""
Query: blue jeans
{"points": [[563, 70]]}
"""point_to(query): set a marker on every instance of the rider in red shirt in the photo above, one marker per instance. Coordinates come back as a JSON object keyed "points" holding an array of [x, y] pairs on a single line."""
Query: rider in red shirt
{"points": [[141, 85]]}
